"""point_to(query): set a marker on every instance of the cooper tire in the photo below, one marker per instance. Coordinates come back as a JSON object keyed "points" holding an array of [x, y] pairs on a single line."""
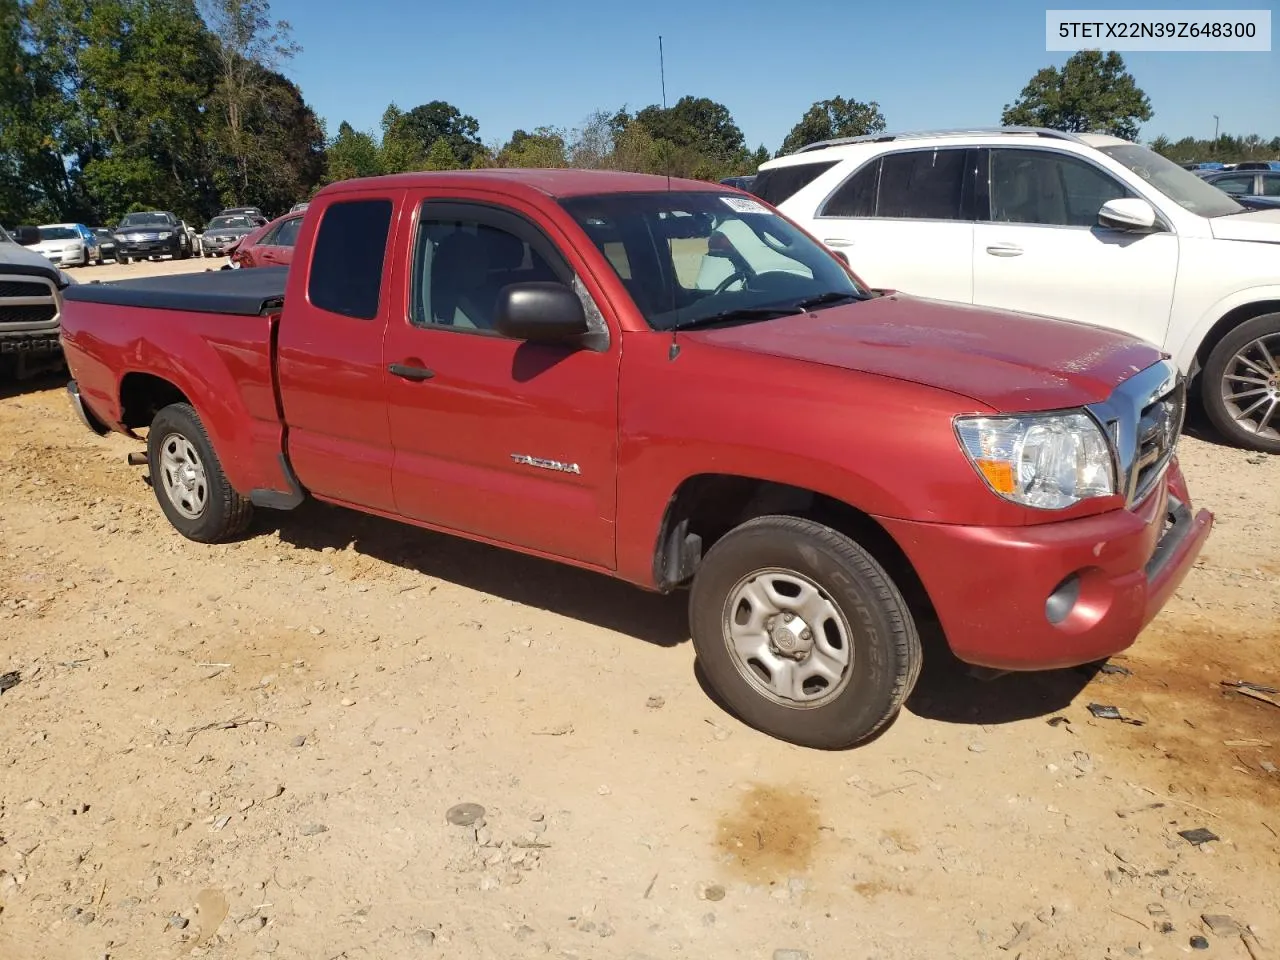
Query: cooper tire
{"points": [[1235, 368], [188, 480], [858, 608]]}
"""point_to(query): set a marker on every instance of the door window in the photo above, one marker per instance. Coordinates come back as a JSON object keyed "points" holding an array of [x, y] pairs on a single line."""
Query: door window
{"points": [[462, 263], [781, 183], [1236, 186], [286, 235], [346, 264], [1052, 189], [921, 185], [856, 197]]}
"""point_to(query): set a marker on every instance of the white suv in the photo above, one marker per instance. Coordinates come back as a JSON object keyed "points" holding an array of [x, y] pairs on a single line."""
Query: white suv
{"points": [[1084, 227]]}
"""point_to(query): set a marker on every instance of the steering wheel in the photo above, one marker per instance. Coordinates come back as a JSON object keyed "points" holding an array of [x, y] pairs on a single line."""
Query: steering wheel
{"points": [[724, 284]]}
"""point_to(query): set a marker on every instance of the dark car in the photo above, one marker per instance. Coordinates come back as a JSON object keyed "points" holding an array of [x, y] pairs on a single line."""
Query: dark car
{"points": [[1258, 203], [224, 231], [742, 183], [1247, 183], [155, 233], [106, 241]]}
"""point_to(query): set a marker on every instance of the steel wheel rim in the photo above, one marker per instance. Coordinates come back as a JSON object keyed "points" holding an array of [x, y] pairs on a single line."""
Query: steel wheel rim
{"points": [[787, 638], [183, 476], [1251, 386]]}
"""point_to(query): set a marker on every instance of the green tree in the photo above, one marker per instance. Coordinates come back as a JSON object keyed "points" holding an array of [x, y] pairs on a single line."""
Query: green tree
{"points": [[249, 47], [132, 81], [545, 147], [401, 151], [352, 154], [1226, 149], [1091, 93], [429, 122], [696, 125], [284, 159], [441, 156], [831, 119]]}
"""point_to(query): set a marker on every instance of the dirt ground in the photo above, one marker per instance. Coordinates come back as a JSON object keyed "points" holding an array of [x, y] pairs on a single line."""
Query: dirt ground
{"points": [[250, 750]]}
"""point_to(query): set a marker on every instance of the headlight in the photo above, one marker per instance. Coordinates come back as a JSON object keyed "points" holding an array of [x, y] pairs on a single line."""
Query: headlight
{"points": [[166, 235], [1049, 461]]}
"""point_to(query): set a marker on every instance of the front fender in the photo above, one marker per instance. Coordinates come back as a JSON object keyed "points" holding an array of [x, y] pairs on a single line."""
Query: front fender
{"points": [[1185, 354]]}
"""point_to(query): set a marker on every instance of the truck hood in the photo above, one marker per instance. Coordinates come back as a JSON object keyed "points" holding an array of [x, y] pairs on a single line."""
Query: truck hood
{"points": [[1010, 362], [15, 259], [1260, 226]]}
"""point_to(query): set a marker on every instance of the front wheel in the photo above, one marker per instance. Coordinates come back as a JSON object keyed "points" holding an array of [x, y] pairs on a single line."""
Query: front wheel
{"points": [[188, 480], [1240, 385], [802, 633]]}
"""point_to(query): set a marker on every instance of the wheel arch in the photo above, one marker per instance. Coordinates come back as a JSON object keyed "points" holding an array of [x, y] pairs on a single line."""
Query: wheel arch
{"points": [[143, 395], [1195, 350], [706, 506]]}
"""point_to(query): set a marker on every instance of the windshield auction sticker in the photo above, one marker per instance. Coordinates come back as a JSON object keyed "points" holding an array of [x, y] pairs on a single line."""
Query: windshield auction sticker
{"points": [[743, 205], [1187, 31]]}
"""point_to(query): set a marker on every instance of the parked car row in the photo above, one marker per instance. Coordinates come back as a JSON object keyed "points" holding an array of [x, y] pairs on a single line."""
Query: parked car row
{"points": [[150, 235]]}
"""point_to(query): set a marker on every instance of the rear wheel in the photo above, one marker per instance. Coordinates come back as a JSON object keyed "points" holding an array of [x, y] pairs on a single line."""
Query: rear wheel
{"points": [[802, 633], [1240, 385], [188, 480]]}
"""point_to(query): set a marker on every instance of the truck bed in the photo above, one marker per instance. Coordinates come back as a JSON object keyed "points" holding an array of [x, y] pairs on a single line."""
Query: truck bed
{"points": [[245, 293]]}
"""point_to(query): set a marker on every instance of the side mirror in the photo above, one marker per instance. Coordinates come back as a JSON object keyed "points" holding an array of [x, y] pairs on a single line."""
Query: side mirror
{"points": [[26, 236], [842, 256], [1132, 214], [540, 312]]}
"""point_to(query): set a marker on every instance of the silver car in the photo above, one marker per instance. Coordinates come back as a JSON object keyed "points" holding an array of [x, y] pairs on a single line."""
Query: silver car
{"points": [[223, 232]]}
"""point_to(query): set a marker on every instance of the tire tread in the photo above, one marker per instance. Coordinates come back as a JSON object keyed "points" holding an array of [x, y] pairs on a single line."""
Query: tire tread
{"points": [[906, 650]]}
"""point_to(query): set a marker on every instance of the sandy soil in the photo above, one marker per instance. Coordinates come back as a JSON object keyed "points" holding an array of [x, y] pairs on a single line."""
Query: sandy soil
{"points": [[250, 750]]}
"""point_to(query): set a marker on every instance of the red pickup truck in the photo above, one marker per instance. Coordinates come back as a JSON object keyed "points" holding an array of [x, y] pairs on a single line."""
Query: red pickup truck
{"points": [[670, 383]]}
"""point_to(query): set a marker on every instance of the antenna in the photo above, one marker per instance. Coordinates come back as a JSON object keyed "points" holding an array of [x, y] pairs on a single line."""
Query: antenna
{"points": [[674, 350]]}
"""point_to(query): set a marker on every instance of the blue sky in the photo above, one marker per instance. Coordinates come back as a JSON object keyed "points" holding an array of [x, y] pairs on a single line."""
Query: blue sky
{"points": [[933, 63]]}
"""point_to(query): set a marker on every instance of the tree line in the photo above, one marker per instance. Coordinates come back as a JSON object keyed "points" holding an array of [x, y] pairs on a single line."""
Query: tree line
{"points": [[108, 106]]}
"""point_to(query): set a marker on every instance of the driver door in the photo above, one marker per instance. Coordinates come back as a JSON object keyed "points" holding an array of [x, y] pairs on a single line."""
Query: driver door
{"points": [[508, 441]]}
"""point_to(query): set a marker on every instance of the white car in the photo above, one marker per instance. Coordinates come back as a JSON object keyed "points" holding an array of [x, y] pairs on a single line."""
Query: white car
{"points": [[68, 244], [1085, 227]]}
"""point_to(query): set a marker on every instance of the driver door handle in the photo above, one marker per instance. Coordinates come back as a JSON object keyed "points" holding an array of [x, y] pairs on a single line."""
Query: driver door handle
{"points": [[837, 242], [410, 373], [1004, 250]]}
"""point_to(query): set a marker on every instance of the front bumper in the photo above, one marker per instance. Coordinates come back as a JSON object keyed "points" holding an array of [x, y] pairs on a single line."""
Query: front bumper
{"points": [[65, 258], [219, 245], [148, 248], [1108, 577]]}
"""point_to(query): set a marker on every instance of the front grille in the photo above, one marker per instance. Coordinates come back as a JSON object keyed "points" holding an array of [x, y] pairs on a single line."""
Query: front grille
{"points": [[39, 313], [22, 288], [1144, 416], [1159, 426]]}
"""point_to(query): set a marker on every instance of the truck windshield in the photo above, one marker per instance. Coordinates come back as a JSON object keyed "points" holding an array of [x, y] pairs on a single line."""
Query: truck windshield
{"points": [[691, 258], [145, 220], [230, 223], [1181, 186]]}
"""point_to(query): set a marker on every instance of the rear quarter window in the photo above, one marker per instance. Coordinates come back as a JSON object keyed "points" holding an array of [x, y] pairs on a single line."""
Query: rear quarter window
{"points": [[781, 183], [346, 264]]}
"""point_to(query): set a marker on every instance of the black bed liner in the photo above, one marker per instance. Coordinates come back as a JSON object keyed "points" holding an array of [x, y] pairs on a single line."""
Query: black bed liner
{"points": [[245, 293]]}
